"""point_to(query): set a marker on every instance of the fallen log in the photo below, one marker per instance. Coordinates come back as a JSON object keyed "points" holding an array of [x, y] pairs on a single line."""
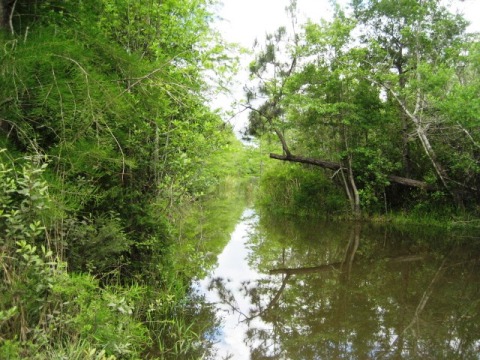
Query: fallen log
{"points": [[337, 166]]}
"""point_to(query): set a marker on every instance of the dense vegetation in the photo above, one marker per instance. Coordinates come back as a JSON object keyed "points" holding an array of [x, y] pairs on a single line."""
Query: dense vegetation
{"points": [[109, 154], [114, 170], [381, 103]]}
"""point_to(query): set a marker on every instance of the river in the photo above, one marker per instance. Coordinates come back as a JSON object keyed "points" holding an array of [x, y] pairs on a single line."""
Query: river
{"points": [[296, 289]]}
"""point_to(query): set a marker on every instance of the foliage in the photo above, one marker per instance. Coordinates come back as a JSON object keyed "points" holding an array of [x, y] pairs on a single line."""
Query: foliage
{"points": [[43, 305], [109, 141], [300, 191], [212, 220], [377, 91]]}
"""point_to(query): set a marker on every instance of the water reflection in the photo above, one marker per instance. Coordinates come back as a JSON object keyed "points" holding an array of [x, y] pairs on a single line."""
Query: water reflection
{"points": [[297, 290]]}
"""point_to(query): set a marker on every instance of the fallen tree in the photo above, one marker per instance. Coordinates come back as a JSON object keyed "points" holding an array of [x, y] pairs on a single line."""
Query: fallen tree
{"points": [[337, 166]]}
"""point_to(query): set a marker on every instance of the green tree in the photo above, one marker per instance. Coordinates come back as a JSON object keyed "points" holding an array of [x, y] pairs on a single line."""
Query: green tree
{"points": [[114, 93], [424, 44], [361, 96]]}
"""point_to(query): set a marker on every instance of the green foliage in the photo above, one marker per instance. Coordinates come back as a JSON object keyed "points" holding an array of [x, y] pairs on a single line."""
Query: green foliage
{"points": [[302, 191], [211, 219], [24, 199], [379, 93], [111, 95], [49, 312], [113, 92], [35, 308], [372, 166], [56, 309]]}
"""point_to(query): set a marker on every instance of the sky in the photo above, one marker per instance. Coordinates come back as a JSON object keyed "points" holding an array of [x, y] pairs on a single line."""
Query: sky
{"points": [[246, 20], [243, 21], [249, 19]]}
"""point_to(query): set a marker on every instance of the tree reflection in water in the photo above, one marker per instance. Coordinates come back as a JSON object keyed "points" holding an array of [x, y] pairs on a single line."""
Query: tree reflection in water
{"points": [[351, 290]]}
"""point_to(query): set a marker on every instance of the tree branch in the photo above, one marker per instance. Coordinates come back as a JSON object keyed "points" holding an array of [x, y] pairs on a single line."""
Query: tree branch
{"points": [[336, 166], [10, 17], [310, 161]]}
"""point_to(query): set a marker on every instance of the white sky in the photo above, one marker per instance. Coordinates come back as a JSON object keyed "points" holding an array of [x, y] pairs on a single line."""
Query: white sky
{"points": [[247, 20], [244, 21]]}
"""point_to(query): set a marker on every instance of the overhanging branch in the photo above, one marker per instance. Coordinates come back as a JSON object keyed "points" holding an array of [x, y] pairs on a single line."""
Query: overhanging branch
{"points": [[337, 166], [304, 160]]}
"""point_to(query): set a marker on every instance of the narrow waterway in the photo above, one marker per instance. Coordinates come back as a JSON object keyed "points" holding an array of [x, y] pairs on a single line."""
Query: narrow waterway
{"points": [[226, 288], [292, 289]]}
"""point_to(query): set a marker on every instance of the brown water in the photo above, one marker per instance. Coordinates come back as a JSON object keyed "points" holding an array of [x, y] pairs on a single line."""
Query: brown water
{"points": [[290, 289]]}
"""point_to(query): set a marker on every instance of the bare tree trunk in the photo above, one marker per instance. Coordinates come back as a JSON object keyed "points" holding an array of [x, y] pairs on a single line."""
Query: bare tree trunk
{"points": [[354, 191], [351, 190], [346, 184], [285, 148], [350, 185], [405, 148], [431, 154], [421, 133]]}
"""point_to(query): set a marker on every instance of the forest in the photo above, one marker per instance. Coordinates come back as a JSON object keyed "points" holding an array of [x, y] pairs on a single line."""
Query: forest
{"points": [[118, 178], [384, 98]]}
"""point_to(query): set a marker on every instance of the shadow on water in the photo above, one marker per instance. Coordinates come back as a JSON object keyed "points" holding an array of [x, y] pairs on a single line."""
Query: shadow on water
{"points": [[290, 289]]}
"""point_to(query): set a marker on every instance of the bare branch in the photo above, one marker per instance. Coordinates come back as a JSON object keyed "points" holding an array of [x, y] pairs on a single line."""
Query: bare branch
{"points": [[10, 17], [85, 73]]}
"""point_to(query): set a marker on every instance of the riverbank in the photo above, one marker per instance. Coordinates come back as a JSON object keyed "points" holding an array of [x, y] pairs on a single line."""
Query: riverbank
{"points": [[310, 192], [123, 305]]}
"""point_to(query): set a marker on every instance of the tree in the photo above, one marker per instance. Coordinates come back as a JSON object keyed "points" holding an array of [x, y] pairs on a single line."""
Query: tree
{"points": [[111, 95], [344, 90], [116, 100], [422, 42]]}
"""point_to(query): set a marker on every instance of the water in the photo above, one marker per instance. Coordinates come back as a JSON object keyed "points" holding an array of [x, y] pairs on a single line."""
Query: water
{"points": [[291, 289]]}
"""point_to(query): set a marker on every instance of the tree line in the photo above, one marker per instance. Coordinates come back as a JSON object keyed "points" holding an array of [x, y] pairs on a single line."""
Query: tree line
{"points": [[384, 96]]}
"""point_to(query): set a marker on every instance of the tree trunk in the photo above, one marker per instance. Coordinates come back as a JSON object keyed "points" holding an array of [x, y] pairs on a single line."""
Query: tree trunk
{"points": [[338, 266], [355, 201], [421, 132], [336, 166], [431, 154], [405, 128], [422, 135]]}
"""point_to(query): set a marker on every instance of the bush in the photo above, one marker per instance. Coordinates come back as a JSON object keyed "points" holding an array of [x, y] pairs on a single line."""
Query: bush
{"points": [[292, 189]]}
